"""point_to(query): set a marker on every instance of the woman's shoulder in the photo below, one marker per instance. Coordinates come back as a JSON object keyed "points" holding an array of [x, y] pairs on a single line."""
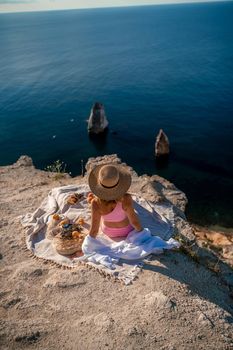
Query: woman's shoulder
{"points": [[127, 200], [100, 206], [95, 203]]}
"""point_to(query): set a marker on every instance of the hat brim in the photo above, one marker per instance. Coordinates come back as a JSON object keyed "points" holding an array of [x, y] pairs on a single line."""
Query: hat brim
{"points": [[109, 193]]}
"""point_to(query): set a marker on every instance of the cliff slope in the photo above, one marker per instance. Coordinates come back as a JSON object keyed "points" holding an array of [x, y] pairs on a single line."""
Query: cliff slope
{"points": [[175, 303]]}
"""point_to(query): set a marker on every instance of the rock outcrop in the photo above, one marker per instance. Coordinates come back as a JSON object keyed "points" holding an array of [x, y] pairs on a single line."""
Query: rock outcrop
{"points": [[162, 144], [24, 161], [97, 122], [161, 191]]}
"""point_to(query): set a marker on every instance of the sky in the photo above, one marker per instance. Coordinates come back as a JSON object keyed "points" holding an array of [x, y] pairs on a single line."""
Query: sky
{"points": [[43, 5]]}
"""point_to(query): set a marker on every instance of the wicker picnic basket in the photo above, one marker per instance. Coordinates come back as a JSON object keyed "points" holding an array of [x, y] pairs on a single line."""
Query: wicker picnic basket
{"points": [[67, 238], [66, 246]]}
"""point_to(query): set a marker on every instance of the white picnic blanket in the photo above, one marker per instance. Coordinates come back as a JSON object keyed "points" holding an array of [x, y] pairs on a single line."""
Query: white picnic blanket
{"points": [[137, 245], [116, 258]]}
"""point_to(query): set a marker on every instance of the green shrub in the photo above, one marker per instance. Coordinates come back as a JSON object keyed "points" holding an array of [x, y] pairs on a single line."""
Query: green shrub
{"points": [[57, 167]]}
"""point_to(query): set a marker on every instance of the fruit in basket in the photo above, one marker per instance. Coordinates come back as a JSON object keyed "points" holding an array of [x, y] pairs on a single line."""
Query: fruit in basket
{"points": [[80, 221], [68, 242], [64, 222], [75, 234], [56, 217]]}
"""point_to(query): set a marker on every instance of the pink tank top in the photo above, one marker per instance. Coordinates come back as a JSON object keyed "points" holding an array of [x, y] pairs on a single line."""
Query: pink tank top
{"points": [[118, 214]]}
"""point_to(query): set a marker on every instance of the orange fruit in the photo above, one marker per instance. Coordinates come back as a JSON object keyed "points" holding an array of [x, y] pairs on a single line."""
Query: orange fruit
{"points": [[56, 217], [80, 221], [75, 234], [65, 221]]}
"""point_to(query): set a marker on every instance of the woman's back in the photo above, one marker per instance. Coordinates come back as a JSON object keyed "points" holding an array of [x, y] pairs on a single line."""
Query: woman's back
{"points": [[109, 184], [115, 215]]}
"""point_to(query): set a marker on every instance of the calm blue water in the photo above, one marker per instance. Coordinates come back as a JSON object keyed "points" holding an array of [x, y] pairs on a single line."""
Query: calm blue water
{"points": [[154, 67]]}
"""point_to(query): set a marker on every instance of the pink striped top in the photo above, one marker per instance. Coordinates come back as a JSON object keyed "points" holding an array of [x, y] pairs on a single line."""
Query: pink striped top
{"points": [[118, 214]]}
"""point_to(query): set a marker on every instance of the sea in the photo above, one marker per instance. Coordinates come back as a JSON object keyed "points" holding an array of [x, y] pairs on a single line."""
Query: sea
{"points": [[153, 67]]}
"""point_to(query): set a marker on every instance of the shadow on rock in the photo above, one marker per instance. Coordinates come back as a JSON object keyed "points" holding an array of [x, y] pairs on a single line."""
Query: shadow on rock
{"points": [[197, 276]]}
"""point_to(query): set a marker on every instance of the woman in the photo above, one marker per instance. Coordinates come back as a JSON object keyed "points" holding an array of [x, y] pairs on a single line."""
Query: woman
{"points": [[112, 206]]}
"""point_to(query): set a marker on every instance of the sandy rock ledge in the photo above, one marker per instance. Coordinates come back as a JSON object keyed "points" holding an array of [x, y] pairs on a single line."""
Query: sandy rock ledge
{"points": [[181, 300]]}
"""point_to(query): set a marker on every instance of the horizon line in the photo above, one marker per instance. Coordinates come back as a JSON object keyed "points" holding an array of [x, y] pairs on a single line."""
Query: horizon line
{"points": [[192, 2]]}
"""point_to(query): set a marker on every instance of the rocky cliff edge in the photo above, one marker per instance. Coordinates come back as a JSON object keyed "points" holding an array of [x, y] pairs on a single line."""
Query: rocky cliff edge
{"points": [[181, 300]]}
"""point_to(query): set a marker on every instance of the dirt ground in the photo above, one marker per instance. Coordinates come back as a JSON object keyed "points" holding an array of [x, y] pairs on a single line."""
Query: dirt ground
{"points": [[175, 304]]}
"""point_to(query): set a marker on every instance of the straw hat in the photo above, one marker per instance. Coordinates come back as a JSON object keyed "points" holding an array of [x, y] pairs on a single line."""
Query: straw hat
{"points": [[108, 181]]}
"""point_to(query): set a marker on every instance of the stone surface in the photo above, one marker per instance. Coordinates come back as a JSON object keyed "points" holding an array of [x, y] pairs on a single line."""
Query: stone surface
{"points": [[93, 162], [176, 303], [159, 300], [24, 161], [162, 144], [161, 191], [64, 279]]}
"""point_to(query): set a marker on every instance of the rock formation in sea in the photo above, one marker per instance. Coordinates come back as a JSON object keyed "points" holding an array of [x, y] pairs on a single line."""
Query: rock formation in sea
{"points": [[97, 122], [162, 144]]}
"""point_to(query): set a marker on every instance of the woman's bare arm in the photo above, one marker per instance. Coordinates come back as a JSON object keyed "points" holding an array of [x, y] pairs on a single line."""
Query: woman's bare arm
{"points": [[132, 216], [95, 218]]}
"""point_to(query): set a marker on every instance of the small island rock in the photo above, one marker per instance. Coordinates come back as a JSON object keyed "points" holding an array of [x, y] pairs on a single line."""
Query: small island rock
{"points": [[161, 144], [97, 121]]}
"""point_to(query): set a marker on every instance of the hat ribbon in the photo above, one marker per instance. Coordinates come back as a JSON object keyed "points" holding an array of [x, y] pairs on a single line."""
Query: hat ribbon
{"points": [[109, 186]]}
